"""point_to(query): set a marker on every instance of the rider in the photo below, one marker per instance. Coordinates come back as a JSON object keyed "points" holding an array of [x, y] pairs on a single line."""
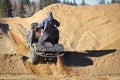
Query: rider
{"points": [[49, 31]]}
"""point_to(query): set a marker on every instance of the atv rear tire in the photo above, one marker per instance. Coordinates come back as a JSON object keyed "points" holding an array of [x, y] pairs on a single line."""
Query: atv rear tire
{"points": [[33, 57]]}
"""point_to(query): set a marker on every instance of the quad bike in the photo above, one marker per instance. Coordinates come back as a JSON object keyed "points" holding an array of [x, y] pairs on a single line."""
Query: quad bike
{"points": [[45, 54]]}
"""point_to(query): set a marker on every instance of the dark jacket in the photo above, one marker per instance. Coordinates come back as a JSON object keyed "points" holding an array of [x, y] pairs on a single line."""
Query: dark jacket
{"points": [[50, 25]]}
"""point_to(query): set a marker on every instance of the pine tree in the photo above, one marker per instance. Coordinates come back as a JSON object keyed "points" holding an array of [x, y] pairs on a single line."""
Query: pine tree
{"points": [[8, 8], [113, 1], [58, 1], [48, 2], [22, 10], [74, 2], [118, 1], [14, 8], [44, 3], [53, 1], [67, 2], [5, 8], [1, 8], [102, 2], [27, 2], [40, 4], [34, 7], [64, 1], [83, 2], [108, 2]]}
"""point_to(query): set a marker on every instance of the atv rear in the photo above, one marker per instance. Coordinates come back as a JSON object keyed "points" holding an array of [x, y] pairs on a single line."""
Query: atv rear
{"points": [[44, 54]]}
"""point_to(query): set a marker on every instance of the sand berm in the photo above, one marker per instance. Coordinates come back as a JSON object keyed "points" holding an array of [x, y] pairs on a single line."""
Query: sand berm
{"points": [[90, 35]]}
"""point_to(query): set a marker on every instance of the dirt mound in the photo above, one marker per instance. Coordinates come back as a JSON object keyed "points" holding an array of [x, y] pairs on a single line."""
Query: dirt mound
{"points": [[82, 27], [12, 67], [86, 27], [103, 67], [16, 66], [13, 36], [90, 35]]}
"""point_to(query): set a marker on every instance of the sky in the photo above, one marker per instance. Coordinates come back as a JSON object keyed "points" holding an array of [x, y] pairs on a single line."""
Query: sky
{"points": [[92, 2]]}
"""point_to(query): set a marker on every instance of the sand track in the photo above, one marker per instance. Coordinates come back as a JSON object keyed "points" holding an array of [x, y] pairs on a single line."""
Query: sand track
{"points": [[90, 35]]}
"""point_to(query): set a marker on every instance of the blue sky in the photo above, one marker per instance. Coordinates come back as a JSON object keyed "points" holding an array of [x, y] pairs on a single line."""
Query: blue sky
{"points": [[92, 2]]}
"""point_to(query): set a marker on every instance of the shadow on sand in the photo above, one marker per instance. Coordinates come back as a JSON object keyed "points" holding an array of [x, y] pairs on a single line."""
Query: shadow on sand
{"points": [[4, 28], [72, 58]]}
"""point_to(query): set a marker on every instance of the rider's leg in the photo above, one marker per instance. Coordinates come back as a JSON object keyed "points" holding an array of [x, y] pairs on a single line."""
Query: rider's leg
{"points": [[42, 38]]}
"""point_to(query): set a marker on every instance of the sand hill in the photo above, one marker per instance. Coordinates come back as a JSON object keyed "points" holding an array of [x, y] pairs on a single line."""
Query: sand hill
{"points": [[90, 34]]}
